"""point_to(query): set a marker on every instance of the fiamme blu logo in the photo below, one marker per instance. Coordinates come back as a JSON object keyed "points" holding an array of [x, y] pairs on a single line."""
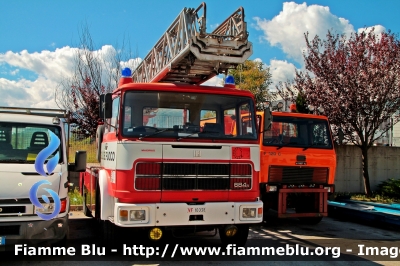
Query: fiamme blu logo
{"points": [[50, 166]]}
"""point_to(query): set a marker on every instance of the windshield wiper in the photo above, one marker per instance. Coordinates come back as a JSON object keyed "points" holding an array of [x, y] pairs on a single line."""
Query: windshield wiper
{"points": [[282, 145], [305, 148], [191, 134], [155, 133]]}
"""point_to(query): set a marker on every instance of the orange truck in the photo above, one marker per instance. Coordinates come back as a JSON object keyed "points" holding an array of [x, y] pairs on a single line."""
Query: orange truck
{"points": [[298, 164]]}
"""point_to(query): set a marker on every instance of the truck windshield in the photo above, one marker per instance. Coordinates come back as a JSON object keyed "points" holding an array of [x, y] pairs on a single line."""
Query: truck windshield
{"points": [[298, 132], [21, 143], [187, 115]]}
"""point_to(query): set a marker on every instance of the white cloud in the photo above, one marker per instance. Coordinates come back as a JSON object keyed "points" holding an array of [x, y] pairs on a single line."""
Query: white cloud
{"points": [[215, 81], [281, 71], [50, 66], [378, 29], [287, 29]]}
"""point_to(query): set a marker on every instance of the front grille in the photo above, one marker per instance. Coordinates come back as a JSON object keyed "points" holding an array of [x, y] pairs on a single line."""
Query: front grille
{"points": [[12, 209], [9, 230], [193, 176], [298, 175], [180, 176], [195, 183]]}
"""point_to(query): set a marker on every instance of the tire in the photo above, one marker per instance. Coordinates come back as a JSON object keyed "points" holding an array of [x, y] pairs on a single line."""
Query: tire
{"points": [[106, 229], [99, 140], [107, 233], [239, 239]]}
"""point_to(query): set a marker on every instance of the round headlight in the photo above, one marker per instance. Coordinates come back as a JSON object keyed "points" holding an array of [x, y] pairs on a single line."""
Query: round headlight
{"points": [[320, 109], [311, 107]]}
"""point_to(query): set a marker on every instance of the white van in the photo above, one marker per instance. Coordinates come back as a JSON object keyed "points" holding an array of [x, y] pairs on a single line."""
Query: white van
{"points": [[34, 204]]}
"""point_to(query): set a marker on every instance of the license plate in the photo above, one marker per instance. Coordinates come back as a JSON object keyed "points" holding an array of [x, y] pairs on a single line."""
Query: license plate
{"points": [[201, 210], [196, 210], [2, 240]]}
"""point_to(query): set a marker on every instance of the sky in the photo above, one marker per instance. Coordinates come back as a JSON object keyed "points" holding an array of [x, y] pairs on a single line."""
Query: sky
{"points": [[38, 38]]}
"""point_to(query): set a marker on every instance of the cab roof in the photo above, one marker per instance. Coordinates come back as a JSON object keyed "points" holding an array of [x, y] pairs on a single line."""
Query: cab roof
{"points": [[183, 87]]}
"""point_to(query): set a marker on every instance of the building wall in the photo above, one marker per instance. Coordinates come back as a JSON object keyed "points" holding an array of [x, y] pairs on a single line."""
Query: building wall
{"points": [[384, 163]]}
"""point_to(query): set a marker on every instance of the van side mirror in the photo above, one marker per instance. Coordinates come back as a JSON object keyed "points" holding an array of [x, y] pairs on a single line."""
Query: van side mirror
{"points": [[80, 162], [105, 108], [267, 119]]}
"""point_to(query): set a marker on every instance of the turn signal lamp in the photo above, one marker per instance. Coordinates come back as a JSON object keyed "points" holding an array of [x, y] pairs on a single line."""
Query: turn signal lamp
{"points": [[123, 215]]}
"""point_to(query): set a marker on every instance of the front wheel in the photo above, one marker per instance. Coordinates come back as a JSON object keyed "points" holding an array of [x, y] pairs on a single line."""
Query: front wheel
{"points": [[239, 238]]}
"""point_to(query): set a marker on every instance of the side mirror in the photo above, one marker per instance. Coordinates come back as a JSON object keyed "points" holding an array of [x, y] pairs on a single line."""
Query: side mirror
{"points": [[105, 108], [267, 119], [80, 162]]}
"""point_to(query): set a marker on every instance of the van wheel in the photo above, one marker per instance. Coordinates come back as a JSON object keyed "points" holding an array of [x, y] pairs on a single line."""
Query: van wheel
{"points": [[99, 140]]}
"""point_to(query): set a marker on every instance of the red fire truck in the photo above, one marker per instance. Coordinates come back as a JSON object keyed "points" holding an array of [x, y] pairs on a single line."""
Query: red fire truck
{"points": [[161, 168]]}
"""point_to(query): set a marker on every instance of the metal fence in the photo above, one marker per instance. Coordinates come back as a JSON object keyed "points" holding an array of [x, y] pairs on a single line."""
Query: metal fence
{"points": [[78, 142]]}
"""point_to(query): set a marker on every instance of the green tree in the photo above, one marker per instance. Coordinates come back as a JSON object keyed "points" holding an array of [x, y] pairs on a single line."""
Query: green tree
{"points": [[254, 77], [301, 104]]}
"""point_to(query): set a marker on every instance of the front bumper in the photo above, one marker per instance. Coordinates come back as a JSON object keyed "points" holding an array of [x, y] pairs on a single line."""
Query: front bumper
{"points": [[183, 214], [34, 231]]}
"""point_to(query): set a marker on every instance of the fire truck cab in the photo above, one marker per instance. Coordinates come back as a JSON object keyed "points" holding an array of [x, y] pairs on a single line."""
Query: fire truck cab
{"points": [[167, 164]]}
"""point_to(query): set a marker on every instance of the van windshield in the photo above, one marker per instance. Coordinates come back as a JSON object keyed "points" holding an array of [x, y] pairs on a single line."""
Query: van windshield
{"points": [[298, 132], [21, 143], [187, 115]]}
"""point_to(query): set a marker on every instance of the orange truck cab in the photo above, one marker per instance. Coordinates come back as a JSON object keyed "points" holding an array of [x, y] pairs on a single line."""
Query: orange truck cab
{"points": [[298, 164]]}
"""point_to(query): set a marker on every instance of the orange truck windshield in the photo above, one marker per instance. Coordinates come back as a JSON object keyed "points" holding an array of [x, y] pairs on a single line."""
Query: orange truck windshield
{"points": [[298, 132]]}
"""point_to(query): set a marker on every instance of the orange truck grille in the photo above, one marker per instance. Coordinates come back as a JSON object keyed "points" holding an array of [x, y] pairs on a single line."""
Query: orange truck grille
{"points": [[298, 175], [192, 176]]}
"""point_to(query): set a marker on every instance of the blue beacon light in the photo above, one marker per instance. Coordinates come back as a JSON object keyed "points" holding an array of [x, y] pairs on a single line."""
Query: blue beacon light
{"points": [[126, 76], [230, 82], [126, 72]]}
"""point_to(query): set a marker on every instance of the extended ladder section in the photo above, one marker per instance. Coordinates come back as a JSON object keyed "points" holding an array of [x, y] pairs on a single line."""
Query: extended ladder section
{"points": [[187, 53]]}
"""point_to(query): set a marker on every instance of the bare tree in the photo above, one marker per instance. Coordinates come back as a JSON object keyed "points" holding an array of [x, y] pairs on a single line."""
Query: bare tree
{"points": [[95, 72], [356, 80]]}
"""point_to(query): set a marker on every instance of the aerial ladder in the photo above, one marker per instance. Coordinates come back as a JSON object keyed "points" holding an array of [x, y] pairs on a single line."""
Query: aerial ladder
{"points": [[187, 53]]}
